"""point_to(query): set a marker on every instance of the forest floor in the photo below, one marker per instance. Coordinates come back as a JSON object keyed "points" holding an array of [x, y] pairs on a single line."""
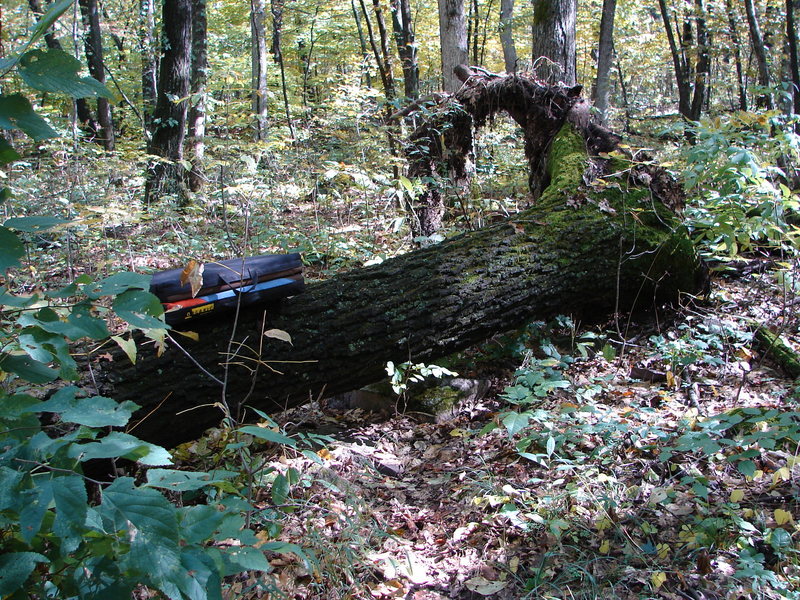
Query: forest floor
{"points": [[646, 473]]}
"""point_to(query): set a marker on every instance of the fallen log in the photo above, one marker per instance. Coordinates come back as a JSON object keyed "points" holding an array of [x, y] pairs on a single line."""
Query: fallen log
{"points": [[583, 250]]}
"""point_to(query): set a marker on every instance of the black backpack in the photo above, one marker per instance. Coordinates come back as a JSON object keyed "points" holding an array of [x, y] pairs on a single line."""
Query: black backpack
{"points": [[226, 284]]}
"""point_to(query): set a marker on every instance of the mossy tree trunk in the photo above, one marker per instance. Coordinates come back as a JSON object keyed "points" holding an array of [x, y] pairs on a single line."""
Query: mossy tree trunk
{"points": [[582, 251]]}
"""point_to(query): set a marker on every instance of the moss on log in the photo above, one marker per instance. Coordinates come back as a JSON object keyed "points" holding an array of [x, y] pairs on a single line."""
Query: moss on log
{"points": [[580, 250]]}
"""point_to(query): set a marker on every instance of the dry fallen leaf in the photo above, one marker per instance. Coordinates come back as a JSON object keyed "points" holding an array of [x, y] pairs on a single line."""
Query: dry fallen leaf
{"points": [[193, 274], [278, 334]]}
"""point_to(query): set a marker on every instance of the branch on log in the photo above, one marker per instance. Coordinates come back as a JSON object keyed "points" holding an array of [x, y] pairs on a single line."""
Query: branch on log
{"points": [[440, 151], [582, 250]]}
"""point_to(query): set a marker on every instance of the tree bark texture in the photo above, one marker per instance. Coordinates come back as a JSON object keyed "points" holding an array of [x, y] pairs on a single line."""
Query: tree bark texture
{"points": [[93, 47], [507, 35], [583, 250], [167, 176], [453, 41], [605, 58], [258, 49], [197, 112], [553, 29]]}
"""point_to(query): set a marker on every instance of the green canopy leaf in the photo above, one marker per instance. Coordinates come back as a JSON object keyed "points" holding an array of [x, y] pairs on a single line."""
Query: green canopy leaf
{"points": [[56, 71], [11, 249], [15, 567], [16, 112]]}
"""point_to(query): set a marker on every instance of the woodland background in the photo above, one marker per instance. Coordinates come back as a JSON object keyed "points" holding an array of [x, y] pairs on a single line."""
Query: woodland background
{"points": [[638, 456]]}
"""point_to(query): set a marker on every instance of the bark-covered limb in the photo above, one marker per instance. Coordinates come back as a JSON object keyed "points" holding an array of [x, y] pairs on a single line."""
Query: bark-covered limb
{"points": [[782, 354], [440, 150], [579, 251]]}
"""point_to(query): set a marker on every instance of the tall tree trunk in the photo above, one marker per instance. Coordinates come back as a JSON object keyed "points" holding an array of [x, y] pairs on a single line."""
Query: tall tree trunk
{"points": [[406, 48], [681, 72], [168, 176], [553, 29], [563, 256], [794, 69], [605, 57], [507, 35], [82, 110], [737, 54], [363, 42], [702, 70], [760, 51], [453, 40], [197, 112], [258, 64], [276, 8], [149, 57], [93, 45]]}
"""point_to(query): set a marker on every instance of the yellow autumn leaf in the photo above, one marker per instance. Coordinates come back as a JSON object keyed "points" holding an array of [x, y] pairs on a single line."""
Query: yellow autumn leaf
{"points": [[658, 578], [737, 496], [670, 379], [192, 335], [602, 524], [782, 474], [128, 346], [605, 547], [663, 550], [782, 516]]}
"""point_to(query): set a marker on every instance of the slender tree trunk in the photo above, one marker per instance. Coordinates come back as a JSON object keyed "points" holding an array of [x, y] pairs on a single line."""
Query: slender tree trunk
{"points": [[702, 70], [168, 176], [737, 55], [258, 64], [406, 48], [147, 49], [760, 51], [553, 29], [605, 57], [680, 61], [364, 52], [473, 30], [453, 40], [93, 45], [791, 36], [276, 7], [485, 33], [624, 91], [507, 35], [197, 113]]}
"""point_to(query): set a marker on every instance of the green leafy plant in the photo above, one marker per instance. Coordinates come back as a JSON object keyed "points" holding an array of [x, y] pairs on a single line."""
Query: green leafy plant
{"points": [[742, 199]]}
